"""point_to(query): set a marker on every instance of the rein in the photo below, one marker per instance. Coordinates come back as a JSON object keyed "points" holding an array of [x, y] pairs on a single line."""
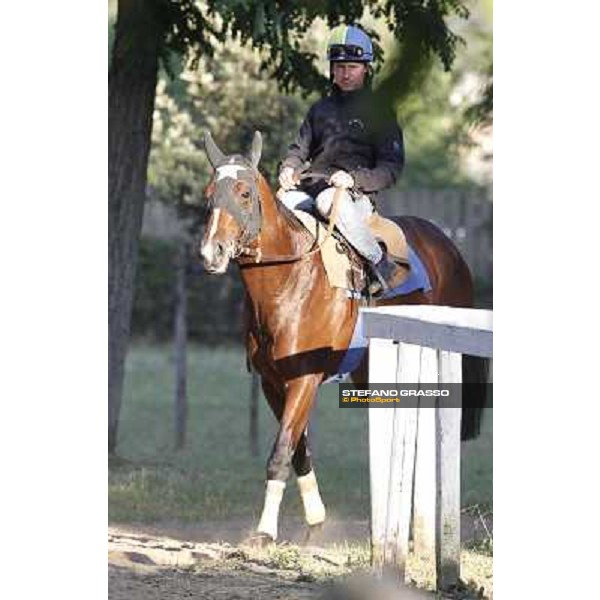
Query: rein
{"points": [[261, 259]]}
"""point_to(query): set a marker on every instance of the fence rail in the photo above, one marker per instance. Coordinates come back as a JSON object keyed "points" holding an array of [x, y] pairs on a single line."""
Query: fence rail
{"points": [[414, 453]]}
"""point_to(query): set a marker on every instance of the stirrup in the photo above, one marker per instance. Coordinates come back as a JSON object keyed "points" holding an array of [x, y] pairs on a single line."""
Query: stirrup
{"points": [[387, 275], [377, 287]]}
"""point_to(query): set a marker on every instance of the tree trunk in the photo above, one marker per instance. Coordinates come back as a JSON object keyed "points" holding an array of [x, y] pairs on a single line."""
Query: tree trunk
{"points": [[181, 407], [131, 90]]}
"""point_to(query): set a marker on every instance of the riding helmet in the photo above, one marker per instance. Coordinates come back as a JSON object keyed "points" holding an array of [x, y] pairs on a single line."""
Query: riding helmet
{"points": [[349, 43]]}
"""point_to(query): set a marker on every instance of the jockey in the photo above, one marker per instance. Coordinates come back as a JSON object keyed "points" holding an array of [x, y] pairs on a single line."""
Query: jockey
{"points": [[356, 143]]}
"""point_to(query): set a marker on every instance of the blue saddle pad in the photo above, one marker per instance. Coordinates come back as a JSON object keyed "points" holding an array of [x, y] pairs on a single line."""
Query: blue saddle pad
{"points": [[417, 280]]}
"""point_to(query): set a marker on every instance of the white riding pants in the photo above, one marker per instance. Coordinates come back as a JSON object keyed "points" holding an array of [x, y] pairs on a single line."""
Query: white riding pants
{"points": [[351, 218]]}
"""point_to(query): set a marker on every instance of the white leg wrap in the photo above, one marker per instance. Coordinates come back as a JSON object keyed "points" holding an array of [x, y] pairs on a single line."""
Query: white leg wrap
{"points": [[270, 514], [314, 510]]}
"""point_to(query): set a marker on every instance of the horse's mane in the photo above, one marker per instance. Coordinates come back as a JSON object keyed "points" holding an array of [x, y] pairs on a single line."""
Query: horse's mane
{"points": [[291, 220], [289, 216]]}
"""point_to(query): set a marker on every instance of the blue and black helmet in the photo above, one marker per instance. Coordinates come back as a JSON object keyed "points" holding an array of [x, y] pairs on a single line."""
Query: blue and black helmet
{"points": [[349, 43]]}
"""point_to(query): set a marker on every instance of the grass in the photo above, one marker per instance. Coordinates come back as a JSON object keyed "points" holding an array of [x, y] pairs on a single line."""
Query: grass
{"points": [[216, 477]]}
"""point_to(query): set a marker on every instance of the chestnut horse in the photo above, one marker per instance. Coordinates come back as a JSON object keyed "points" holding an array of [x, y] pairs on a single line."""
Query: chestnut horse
{"points": [[299, 327]]}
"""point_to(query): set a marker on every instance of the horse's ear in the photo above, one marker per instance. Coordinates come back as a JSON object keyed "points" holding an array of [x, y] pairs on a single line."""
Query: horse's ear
{"points": [[215, 156], [256, 149]]}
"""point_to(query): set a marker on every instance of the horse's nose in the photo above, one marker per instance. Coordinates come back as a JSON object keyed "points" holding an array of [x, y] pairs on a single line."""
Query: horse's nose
{"points": [[212, 252]]}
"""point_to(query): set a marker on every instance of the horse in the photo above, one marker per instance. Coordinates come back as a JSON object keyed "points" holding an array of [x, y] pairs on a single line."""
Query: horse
{"points": [[298, 327]]}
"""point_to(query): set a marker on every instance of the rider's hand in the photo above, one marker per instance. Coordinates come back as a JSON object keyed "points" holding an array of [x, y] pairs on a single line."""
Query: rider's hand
{"points": [[287, 178], [341, 179]]}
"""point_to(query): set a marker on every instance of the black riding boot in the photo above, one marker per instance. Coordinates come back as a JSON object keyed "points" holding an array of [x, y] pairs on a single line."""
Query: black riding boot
{"points": [[388, 275]]}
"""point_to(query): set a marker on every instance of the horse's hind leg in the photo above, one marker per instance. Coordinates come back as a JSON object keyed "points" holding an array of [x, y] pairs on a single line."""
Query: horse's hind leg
{"points": [[475, 378], [302, 459], [314, 509]]}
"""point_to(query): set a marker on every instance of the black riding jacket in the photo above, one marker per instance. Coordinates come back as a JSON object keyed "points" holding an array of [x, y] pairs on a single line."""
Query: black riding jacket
{"points": [[352, 132]]}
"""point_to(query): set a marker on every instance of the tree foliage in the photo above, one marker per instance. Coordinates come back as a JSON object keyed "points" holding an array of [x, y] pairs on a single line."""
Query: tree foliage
{"points": [[441, 110], [229, 96], [194, 28], [412, 37], [213, 40]]}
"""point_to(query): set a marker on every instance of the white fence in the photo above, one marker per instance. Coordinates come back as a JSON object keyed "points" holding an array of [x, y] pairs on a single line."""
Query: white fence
{"points": [[414, 453]]}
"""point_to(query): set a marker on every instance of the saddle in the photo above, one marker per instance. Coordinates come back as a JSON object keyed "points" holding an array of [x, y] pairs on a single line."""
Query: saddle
{"points": [[345, 268]]}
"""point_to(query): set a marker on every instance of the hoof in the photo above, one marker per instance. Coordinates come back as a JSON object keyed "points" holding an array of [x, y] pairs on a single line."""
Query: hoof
{"points": [[260, 540], [313, 534]]}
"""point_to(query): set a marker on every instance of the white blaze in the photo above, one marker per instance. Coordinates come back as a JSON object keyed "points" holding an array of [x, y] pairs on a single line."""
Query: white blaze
{"points": [[214, 222], [229, 171], [207, 247]]}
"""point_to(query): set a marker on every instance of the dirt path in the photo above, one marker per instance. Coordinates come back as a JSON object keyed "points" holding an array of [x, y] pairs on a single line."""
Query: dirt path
{"points": [[208, 584], [209, 561], [151, 568], [148, 567]]}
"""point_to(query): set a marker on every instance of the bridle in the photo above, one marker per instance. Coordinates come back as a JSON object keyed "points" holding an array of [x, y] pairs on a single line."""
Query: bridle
{"points": [[255, 255], [243, 249]]}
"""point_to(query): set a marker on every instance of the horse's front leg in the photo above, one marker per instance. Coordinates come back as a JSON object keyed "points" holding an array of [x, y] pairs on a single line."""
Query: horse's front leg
{"points": [[298, 400], [314, 509]]}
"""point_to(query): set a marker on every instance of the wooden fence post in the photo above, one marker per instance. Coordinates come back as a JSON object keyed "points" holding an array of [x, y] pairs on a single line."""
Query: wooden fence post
{"points": [[381, 354], [425, 466], [409, 365], [448, 476], [419, 449]]}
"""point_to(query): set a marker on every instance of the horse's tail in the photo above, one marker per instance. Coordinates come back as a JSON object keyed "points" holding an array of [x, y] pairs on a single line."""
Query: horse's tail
{"points": [[474, 396]]}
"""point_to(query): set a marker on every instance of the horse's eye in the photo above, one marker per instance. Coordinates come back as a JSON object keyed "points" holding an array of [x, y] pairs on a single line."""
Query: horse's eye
{"points": [[246, 194]]}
